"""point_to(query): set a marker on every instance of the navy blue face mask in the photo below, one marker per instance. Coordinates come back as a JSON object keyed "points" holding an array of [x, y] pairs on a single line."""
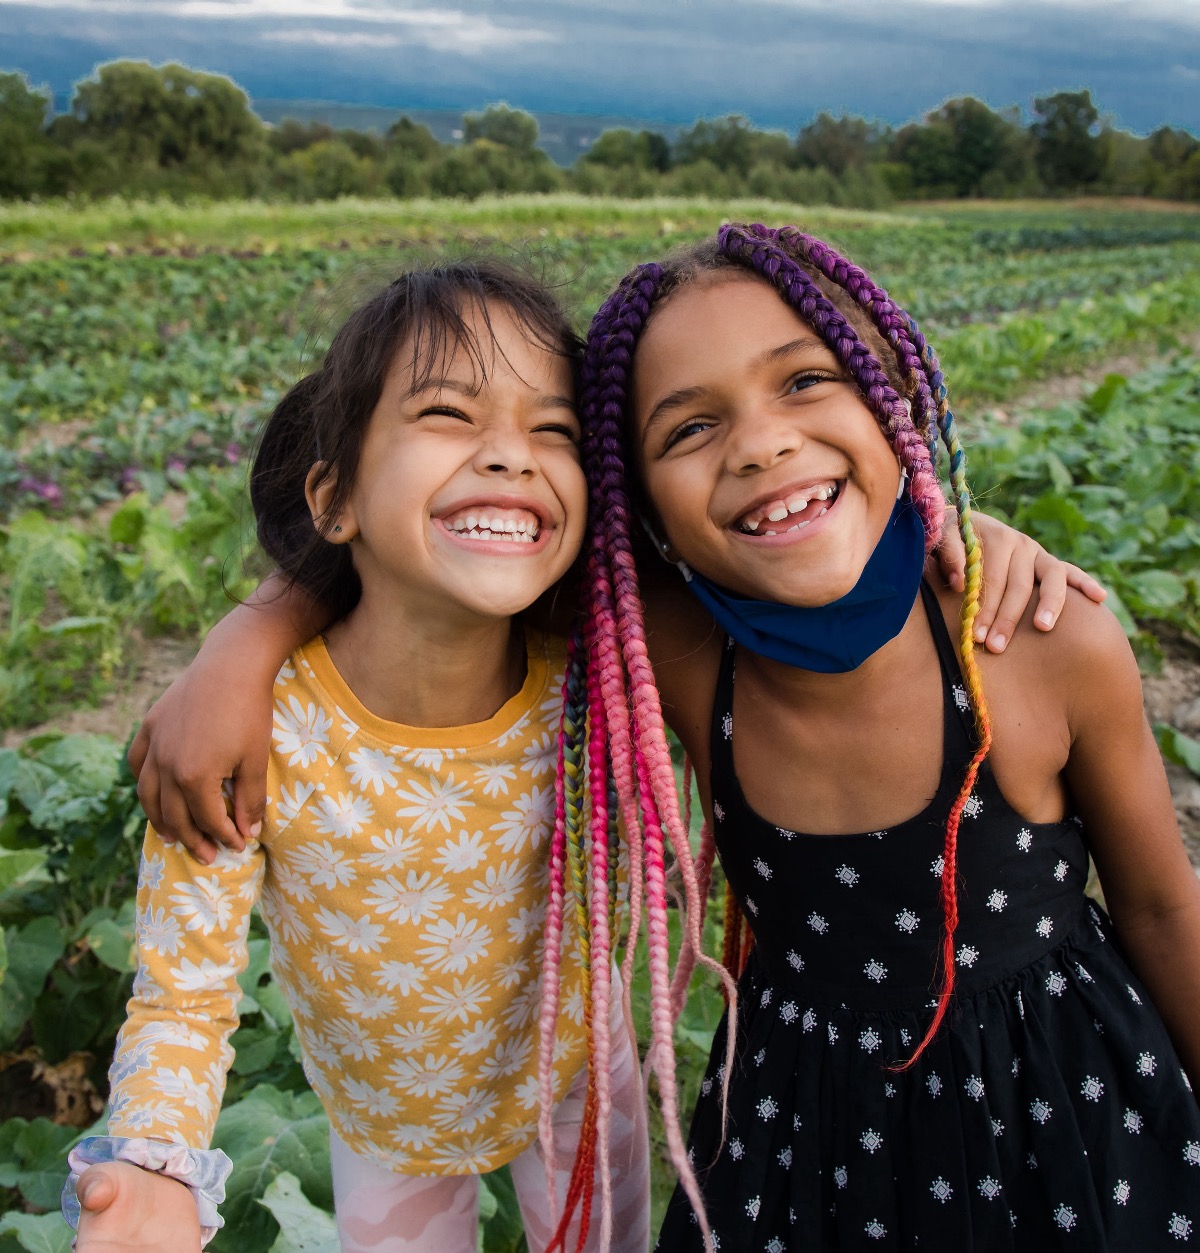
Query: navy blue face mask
{"points": [[840, 636]]}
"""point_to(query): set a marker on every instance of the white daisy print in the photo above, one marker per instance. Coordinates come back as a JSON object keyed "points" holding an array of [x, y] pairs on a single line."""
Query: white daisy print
{"points": [[494, 778], [204, 905], [480, 1036], [301, 731], [435, 1076], [322, 864], [413, 1037], [466, 1110], [158, 931], [463, 853], [150, 872], [436, 804], [372, 768], [500, 885], [400, 976], [527, 922], [356, 935], [331, 965], [377, 1102], [413, 899], [531, 819], [392, 850], [363, 1003], [453, 946], [541, 756], [342, 818]]}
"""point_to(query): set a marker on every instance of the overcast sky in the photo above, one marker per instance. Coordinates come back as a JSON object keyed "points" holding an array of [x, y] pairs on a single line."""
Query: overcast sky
{"points": [[777, 61]]}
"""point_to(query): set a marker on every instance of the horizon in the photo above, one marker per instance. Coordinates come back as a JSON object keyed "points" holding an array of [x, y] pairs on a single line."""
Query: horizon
{"points": [[640, 62]]}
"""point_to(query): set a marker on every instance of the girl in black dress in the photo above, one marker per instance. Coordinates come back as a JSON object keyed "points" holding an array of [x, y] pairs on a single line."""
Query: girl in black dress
{"points": [[939, 1041]]}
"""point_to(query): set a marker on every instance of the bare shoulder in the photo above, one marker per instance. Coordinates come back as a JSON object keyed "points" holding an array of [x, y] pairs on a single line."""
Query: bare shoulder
{"points": [[685, 650], [1084, 663]]}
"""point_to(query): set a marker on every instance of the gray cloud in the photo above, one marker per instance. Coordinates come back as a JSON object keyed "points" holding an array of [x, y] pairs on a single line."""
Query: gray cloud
{"points": [[778, 61]]}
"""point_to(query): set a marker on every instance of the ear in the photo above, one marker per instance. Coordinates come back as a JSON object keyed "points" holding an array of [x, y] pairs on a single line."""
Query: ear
{"points": [[653, 528], [318, 492]]}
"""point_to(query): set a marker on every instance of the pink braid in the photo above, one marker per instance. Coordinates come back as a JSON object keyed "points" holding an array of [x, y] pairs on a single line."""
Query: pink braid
{"points": [[551, 958]]}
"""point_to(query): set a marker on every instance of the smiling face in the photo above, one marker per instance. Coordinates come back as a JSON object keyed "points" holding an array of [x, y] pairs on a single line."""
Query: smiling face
{"points": [[766, 470], [468, 495]]}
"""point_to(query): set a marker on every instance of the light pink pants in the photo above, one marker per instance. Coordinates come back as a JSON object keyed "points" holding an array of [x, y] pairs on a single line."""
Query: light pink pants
{"points": [[379, 1211]]}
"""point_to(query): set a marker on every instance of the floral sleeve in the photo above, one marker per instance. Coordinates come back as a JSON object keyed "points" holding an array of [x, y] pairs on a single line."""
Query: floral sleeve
{"points": [[168, 1074]]}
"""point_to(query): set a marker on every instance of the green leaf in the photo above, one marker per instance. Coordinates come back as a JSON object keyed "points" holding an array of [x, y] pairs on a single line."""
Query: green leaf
{"points": [[112, 945], [1101, 399], [1157, 589], [39, 1233], [503, 1230], [32, 952], [267, 1134], [40, 1147], [1177, 748], [303, 1228], [16, 864]]}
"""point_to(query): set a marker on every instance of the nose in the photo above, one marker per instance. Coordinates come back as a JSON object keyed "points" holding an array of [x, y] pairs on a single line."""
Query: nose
{"points": [[506, 451], [759, 441]]}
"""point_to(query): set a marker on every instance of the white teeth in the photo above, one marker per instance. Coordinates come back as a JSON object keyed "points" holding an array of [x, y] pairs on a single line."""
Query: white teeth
{"points": [[752, 526], [770, 532], [777, 515]]}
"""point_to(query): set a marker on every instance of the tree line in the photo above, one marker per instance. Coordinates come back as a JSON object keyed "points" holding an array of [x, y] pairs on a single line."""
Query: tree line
{"points": [[139, 130]]}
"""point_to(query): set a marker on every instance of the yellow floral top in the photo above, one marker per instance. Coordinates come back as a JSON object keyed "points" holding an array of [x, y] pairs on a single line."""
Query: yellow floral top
{"points": [[402, 876]]}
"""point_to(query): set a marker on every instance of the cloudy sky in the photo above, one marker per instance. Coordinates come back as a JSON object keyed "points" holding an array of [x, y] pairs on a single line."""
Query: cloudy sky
{"points": [[777, 61]]}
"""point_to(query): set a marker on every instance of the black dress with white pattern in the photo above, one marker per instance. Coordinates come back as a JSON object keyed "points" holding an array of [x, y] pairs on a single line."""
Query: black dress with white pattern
{"points": [[1050, 1113]]}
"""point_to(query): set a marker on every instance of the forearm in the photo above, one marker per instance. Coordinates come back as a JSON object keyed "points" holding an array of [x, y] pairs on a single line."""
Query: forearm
{"points": [[1164, 951], [172, 1054], [278, 617]]}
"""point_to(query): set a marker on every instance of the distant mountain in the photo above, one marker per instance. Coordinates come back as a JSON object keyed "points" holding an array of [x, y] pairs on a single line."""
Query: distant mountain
{"points": [[562, 136]]}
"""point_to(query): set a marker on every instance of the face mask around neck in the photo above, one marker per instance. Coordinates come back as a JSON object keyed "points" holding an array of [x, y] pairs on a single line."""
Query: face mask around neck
{"points": [[840, 636]]}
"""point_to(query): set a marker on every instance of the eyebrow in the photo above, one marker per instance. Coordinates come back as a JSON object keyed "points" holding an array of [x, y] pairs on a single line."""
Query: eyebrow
{"points": [[472, 390], [685, 395]]}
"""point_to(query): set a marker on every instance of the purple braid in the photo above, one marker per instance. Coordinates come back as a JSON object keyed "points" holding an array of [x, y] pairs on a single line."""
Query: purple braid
{"points": [[759, 248]]}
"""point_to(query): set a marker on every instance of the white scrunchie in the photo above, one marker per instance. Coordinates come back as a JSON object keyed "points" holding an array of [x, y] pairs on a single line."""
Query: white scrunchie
{"points": [[202, 1171]]}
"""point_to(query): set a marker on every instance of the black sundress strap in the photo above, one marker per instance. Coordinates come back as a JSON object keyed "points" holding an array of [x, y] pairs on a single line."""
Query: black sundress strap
{"points": [[959, 722]]}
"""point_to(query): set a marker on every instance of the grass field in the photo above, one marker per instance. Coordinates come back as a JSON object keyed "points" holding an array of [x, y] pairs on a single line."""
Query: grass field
{"points": [[140, 346]]}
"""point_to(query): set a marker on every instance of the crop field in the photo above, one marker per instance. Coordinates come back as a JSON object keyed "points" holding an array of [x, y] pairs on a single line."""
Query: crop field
{"points": [[141, 345]]}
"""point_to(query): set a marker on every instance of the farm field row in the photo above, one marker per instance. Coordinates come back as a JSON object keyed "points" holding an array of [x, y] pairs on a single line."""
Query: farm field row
{"points": [[140, 345]]}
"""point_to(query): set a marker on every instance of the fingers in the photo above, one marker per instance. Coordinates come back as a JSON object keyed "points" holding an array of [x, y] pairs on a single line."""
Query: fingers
{"points": [[951, 553], [1002, 603], [1083, 582], [250, 797], [96, 1189], [1051, 575], [139, 746]]}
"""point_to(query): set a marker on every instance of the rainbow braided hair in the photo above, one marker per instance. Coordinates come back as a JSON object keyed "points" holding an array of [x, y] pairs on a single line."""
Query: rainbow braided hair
{"points": [[851, 313]]}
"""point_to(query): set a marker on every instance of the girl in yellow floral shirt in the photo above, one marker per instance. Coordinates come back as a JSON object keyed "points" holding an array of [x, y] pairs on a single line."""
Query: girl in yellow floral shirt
{"points": [[425, 481]]}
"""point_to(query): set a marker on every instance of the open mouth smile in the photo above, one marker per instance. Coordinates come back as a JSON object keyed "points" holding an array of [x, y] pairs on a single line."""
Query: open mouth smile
{"points": [[791, 510], [481, 523]]}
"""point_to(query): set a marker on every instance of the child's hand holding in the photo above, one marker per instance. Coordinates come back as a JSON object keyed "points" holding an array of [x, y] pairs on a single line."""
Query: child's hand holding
{"points": [[125, 1209]]}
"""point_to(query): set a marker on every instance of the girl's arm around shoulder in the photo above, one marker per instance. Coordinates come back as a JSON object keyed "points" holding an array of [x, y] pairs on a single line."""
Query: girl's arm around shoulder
{"points": [[214, 723], [1117, 782]]}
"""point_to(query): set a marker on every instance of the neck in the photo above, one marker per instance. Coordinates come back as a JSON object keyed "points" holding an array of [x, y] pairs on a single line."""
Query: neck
{"points": [[908, 650], [426, 666]]}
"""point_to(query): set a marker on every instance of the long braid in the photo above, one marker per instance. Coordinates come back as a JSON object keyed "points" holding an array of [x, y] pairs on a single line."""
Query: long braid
{"points": [[604, 394]]}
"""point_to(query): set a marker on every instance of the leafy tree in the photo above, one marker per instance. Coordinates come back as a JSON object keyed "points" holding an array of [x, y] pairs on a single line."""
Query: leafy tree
{"points": [[24, 146], [1066, 132], [643, 150], [838, 144], [292, 135], [164, 128], [498, 124], [412, 140], [726, 144]]}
